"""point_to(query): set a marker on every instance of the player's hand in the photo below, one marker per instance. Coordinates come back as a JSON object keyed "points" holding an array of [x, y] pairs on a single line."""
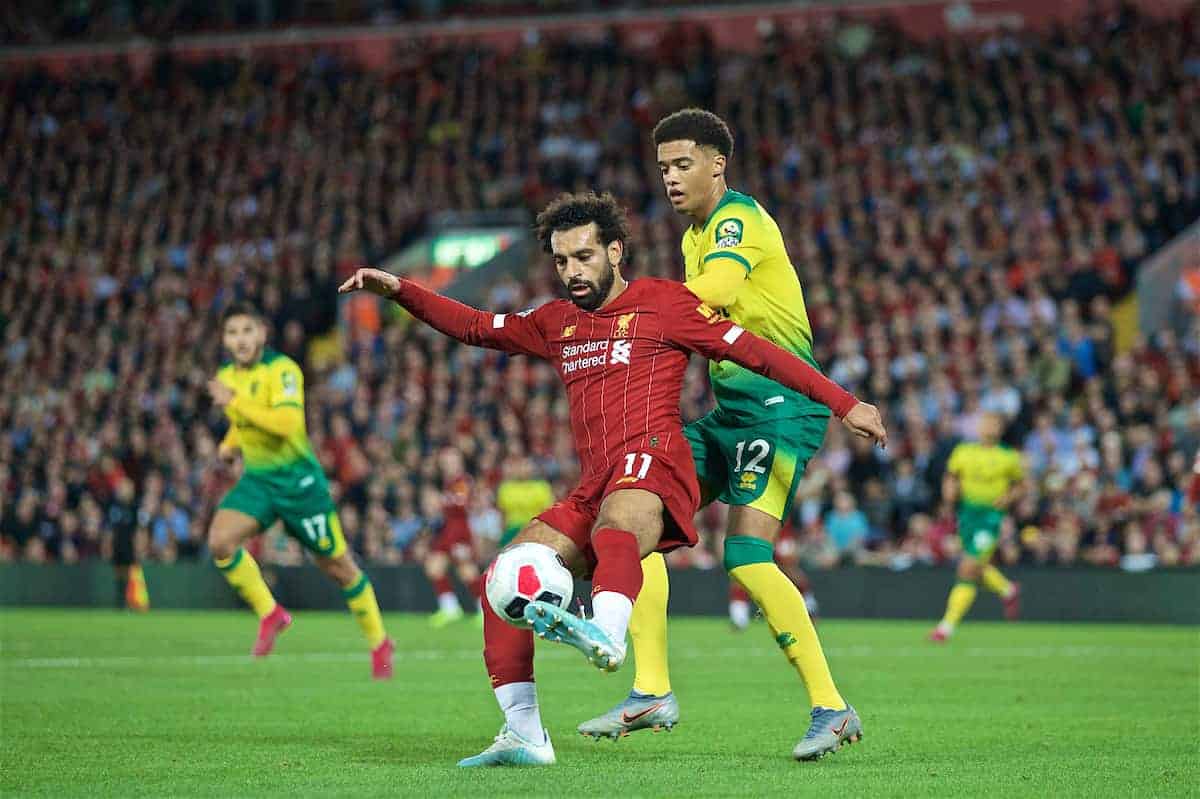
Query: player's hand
{"points": [[221, 394], [376, 281], [864, 421]]}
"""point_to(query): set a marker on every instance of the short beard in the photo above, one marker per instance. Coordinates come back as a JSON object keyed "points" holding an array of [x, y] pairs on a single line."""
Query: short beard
{"points": [[258, 354], [593, 300]]}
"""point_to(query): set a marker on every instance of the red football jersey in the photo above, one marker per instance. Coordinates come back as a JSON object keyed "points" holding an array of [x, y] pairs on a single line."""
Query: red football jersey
{"points": [[455, 496], [623, 364]]}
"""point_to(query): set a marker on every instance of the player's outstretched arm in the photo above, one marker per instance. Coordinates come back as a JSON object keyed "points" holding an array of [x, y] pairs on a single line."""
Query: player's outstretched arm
{"points": [[508, 332], [769, 360], [693, 326]]}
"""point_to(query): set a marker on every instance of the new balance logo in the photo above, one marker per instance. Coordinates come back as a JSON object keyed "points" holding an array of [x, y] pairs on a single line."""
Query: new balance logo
{"points": [[621, 351]]}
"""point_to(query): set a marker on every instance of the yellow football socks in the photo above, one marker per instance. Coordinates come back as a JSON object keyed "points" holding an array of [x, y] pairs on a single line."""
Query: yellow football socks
{"points": [[996, 582], [241, 572], [360, 597], [648, 629], [961, 597], [783, 606], [137, 597]]}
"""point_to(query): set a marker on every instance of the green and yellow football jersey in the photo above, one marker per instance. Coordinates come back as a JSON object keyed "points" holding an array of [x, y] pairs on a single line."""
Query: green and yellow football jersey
{"points": [[770, 304], [273, 384], [985, 473]]}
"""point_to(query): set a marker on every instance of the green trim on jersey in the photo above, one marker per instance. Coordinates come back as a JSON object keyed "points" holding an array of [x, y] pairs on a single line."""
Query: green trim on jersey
{"points": [[268, 357], [770, 304], [730, 197], [722, 254]]}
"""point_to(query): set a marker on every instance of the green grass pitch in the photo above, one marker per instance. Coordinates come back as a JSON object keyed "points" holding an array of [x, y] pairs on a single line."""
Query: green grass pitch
{"points": [[99, 703]]}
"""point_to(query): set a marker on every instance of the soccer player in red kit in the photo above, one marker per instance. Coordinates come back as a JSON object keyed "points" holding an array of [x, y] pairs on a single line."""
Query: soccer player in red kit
{"points": [[621, 349], [453, 546]]}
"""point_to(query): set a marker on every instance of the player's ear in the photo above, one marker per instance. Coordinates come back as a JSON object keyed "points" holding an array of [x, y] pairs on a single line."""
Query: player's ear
{"points": [[616, 249], [718, 165]]}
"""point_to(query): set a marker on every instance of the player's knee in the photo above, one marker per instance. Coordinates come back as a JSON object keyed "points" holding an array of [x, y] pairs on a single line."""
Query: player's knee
{"points": [[221, 545], [616, 519], [635, 510], [435, 566], [745, 550]]}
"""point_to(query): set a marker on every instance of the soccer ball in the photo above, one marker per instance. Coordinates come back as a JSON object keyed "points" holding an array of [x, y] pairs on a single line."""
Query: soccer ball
{"points": [[525, 573]]}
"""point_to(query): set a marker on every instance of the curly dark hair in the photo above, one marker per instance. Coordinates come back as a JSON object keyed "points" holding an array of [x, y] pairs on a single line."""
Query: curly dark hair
{"points": [[695, 124], [568, 211]]}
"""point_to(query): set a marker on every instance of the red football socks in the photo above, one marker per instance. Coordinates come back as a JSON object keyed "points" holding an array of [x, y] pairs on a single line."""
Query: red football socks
{"points": [[507, 650], [618, 563]]}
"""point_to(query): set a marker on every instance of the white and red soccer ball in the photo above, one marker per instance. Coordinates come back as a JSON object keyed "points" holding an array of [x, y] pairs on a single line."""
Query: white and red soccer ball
{"points": [[523, 574]]}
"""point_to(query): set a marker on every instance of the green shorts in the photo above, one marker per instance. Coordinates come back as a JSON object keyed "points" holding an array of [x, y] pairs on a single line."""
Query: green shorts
{"points": [[298, 496], [979, 530], [757, 464]]}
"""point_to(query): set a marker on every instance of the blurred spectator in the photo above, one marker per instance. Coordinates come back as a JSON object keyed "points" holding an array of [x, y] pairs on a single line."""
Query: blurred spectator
{"points": [[847, 525], [964, 259]]}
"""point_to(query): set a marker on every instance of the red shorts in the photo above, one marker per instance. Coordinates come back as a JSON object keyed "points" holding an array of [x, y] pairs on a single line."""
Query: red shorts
{"points": [[455, 540], [667, 471]]}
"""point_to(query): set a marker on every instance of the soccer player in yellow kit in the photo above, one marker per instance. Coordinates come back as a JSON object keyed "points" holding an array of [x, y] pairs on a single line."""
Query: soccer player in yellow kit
{"points": [[520, 496], [984, 478], [751, 450], [262, 393]]}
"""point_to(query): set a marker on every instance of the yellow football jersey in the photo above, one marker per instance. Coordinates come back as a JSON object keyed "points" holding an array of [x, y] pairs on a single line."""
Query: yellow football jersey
{"points": [[985, 473], [274, 382], [770, 304], [521, 500]]}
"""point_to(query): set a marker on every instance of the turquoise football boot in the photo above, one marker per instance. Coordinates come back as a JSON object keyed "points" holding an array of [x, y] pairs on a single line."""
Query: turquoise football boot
{"points": [[555, 624], [510, 749]]}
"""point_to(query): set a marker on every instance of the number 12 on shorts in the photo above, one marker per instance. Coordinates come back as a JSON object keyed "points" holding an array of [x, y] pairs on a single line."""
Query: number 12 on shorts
{"points": [[759, 448], [632, 461]]}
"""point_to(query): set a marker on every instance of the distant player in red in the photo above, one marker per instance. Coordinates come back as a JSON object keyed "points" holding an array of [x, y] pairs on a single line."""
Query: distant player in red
{"points": [[1194, 488], [453, 545], [621, 349]]}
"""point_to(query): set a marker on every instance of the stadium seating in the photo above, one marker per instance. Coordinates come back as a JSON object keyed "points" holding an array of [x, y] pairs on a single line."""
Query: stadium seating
{"points": [[966, 219]]}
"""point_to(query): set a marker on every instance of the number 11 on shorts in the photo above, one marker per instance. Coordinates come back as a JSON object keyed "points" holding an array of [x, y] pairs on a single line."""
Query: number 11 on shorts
{"points": [[631, 460]]}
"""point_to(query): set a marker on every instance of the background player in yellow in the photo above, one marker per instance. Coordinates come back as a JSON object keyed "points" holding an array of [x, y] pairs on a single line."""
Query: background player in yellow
{"points": [[984, 479], [520, 496], [752, 449], [262, 393]]}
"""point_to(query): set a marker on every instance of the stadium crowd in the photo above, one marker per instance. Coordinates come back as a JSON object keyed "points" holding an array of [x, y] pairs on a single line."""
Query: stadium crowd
{"points": [[25, 22], [964, 215]]}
